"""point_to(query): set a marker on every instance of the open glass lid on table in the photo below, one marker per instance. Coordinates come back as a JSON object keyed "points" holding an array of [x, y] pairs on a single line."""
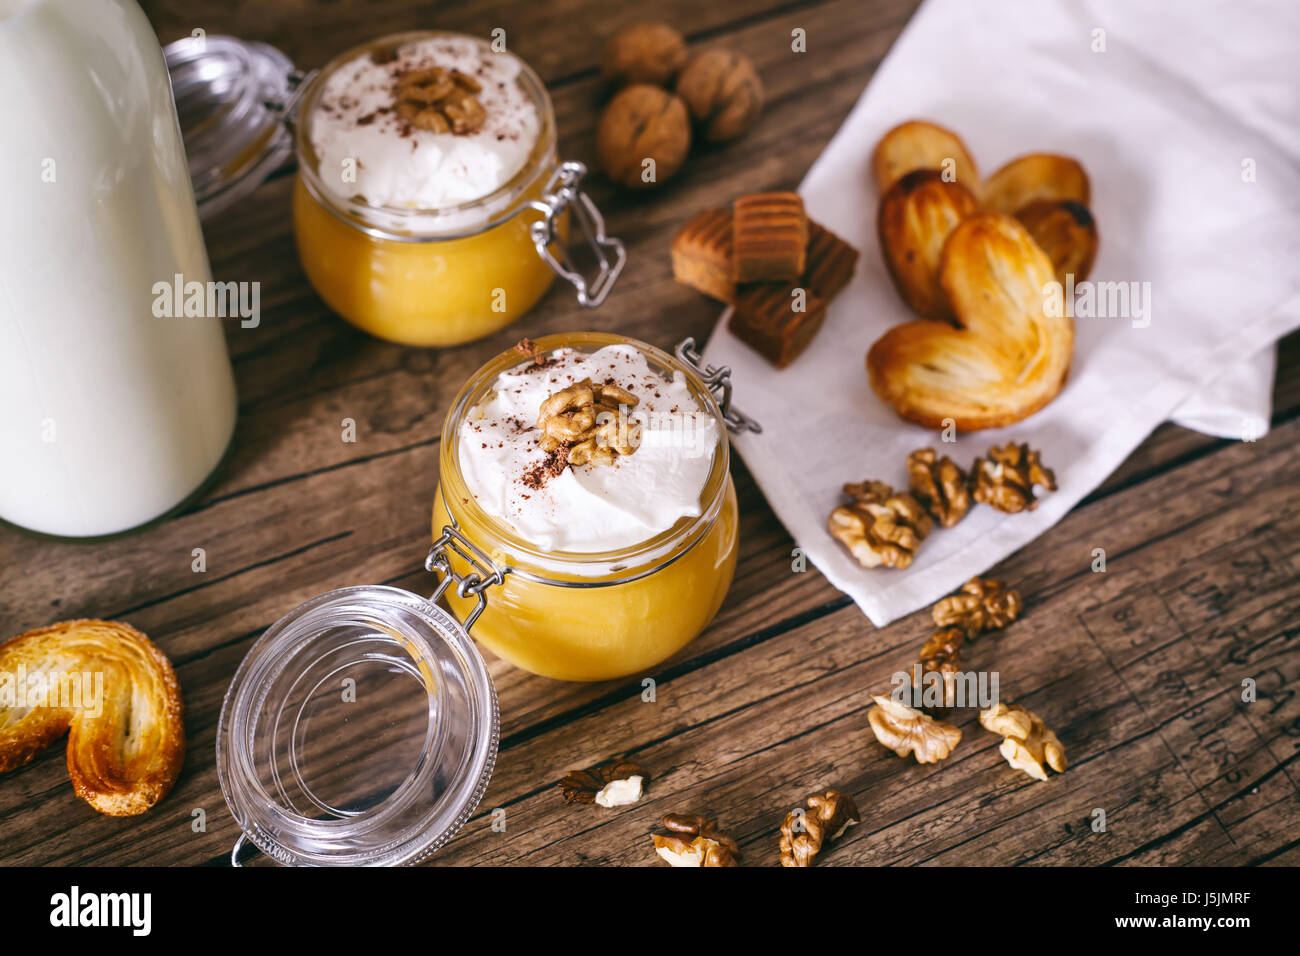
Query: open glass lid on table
{"points": [[361, 729], [429, 206]]}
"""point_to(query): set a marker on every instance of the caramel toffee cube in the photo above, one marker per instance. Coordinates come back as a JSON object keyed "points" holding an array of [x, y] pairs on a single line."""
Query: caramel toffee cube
{"points": [[831, 262], [769, 238], [765, 319], [702, 254]]}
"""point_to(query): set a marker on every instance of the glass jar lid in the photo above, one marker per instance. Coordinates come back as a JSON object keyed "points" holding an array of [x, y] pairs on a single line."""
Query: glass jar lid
{"points": [[360, 730], [231, 98]]}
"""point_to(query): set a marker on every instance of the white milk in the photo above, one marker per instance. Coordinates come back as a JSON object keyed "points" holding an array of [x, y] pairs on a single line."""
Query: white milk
{"points": [[109, 416]]}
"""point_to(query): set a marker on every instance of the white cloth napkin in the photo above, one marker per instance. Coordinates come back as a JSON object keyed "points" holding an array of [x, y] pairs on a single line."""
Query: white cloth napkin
{"points": [[1169, 121]]}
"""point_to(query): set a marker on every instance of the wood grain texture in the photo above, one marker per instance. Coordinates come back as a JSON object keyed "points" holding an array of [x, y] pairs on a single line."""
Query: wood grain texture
{"points": [[1138, 670]]}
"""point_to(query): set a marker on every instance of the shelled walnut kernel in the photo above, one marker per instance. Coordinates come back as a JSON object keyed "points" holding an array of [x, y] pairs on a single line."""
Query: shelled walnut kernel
{"points": [[904, 730]]}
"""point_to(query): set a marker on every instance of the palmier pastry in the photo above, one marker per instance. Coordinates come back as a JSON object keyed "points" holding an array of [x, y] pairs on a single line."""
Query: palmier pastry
{"points": [[916, 216], [917, 144], [1066, 231], [1004, 358], [1037, 176], [116, 696]]}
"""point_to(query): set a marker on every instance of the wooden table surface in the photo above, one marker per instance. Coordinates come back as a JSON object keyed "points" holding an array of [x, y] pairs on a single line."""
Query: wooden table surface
{"points": [[1138, 670]]}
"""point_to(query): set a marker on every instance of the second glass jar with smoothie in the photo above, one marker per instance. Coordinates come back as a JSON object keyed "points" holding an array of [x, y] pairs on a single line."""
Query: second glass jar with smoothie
{"points": [[595, 570]]}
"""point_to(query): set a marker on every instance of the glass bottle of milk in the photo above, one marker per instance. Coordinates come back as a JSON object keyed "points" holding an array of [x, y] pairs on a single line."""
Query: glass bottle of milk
{"points": [[111, 414]]}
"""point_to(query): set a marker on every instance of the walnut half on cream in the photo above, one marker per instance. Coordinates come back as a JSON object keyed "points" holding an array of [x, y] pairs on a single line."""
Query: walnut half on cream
{"points": [[439, 100], [590, 422], [904, 730], [695, 841], [1027, 743]]}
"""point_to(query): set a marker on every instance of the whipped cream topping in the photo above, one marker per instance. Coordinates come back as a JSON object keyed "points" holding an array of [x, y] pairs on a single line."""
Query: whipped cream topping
{"points": [[367, 152], [589, 508]]}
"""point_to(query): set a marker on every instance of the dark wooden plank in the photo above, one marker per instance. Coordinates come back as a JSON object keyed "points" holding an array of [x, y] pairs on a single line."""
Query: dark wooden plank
{"points": [[769, 702]]}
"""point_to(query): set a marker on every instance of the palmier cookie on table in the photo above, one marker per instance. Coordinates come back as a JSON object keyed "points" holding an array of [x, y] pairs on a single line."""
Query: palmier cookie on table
{"points": [[1003, 358], [125, 749]]}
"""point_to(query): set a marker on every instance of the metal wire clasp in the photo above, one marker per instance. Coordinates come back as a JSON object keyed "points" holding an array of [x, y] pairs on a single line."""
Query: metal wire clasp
{"points": [[717, 381], [288, 102], [483, 576], [564, 192]]}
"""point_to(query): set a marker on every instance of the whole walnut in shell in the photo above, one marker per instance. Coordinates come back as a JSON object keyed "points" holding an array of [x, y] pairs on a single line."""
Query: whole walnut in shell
{"points": [[643, 53], [723, 92], [643, 122]]}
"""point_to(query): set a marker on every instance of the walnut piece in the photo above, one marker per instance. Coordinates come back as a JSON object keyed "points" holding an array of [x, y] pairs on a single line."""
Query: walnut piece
{"points": [[1027, 743], [904, 730], [641, 123], [804, 834], [879, 526], [940, 485], [614, 783], [1006, 478], [643, 53], [695, 841], [941, 654], [723, 92], [440, 101], [590, 422], [982, 605]]}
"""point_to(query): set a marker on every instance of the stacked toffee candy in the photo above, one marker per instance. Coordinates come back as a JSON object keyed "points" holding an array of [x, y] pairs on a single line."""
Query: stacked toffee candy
{"points": [[777, 268]]}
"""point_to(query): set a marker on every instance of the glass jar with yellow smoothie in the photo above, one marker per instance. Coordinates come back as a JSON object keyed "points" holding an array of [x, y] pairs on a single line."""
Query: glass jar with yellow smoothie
{"points": [[577, 551], [429, 206]]}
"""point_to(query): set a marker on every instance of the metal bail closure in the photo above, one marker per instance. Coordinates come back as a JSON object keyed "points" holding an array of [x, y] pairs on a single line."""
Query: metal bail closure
{"points": [[564, 192], [718, 381], [484, 575], [234, 99]]}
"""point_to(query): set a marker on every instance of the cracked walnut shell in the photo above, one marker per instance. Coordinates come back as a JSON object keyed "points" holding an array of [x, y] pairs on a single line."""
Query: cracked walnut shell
{"points": [[1027, 744], [982, 605], [804, 834], [904, 730], [601, 784], [589, 422], [695, 841], [878, 526], [1006, 478], [940, 485], [441, 101]]}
